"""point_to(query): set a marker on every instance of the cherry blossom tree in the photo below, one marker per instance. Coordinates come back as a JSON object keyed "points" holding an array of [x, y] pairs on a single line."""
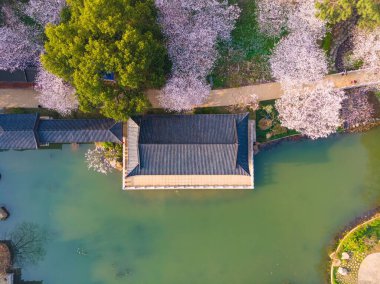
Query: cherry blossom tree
{"points": [[298, 59], [273, 15], [367, 47], [54, 93], [314, 112], [21, 44], [46, 11], [184, 93], [97, 160], [192, 29], [356, 108], [302, 17], [17, 50]]}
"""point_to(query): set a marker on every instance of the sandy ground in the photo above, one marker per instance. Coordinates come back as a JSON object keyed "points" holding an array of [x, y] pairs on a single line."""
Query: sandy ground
{"points": [[369, 271]]}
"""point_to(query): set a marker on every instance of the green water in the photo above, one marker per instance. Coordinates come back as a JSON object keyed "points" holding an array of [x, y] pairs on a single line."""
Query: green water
{"points": [[305, 192]]}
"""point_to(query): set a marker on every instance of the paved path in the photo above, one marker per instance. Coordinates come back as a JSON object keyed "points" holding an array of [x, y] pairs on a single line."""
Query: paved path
{"points": [[369, 271], [25, 98], [269, 91]]}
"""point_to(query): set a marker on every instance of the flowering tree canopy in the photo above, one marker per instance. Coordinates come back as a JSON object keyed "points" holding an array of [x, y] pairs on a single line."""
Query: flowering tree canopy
{"points": [[356, 108], [18, 45], [21, 32], [184, 92], [55, 93], [97, 160], [44, 11], [17, 51], [367, 47], [313, 112], [298, 59], [192, 28], [273, 15]]}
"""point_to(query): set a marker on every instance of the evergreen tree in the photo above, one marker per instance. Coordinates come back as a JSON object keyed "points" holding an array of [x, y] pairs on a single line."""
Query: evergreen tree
{"points": [[99, 37]]}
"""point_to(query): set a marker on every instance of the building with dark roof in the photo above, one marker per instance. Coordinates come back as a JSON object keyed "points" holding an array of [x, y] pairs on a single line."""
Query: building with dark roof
{"points": [[29, 131], [188, 151]]}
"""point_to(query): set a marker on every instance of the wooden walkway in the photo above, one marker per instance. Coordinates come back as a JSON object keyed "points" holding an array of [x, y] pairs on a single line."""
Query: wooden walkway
{"points": [[269, 91]]}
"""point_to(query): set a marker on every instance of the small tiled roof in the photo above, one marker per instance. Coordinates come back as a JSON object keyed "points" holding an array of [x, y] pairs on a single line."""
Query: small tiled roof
{"points": [[79, 131], [192, 145], [17, 131]]}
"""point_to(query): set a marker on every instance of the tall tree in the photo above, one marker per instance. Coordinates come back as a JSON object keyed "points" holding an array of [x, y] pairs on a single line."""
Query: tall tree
{"points": [[335, 11], [99, 37], [193, 28]]}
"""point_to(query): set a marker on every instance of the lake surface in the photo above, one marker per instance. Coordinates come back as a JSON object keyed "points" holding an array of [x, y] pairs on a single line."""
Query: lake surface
{"points": [[278, 233]]}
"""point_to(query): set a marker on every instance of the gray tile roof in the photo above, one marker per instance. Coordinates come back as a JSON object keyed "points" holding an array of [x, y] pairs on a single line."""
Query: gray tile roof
{"points": [[27, 131], [192, 145], [17, 131], [79, 131]]}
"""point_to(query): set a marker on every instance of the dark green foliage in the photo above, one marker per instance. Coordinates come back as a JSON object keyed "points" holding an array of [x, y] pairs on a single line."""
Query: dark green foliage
{"points": [[341, 10], [276, 124], [114, 148], [244, 60], [327, 42], [359, 242], [97, 37]]}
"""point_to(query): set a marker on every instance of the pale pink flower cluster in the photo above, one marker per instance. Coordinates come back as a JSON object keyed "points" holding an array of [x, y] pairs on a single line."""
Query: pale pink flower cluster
{"points": [[192, 29], [184, 92], [298, 59], [356, 108], [17, 50], [302, 18], [20, 45], [367, 47], [54, 93], [97, 160], [45, 11], [314, 112], [273, 15]]}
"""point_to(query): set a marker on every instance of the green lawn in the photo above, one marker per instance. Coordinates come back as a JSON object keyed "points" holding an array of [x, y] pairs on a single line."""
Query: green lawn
{"points": [[244, 60]]}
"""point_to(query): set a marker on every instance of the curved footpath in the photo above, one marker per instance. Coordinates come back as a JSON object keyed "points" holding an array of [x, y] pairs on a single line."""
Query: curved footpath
{"points": [[27, 97]]}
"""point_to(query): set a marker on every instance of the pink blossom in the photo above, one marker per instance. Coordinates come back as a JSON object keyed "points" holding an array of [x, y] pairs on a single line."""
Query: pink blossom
{"points": [[55, 93], [314, 112], [298, 59], [356, 109], [184, 93], [367, 47], [192, 29], [46, 11]]}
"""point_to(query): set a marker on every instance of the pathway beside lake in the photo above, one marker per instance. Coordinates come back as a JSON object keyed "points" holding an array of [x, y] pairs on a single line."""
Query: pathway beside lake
{"points": [[27, 97], [270, 91]]}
